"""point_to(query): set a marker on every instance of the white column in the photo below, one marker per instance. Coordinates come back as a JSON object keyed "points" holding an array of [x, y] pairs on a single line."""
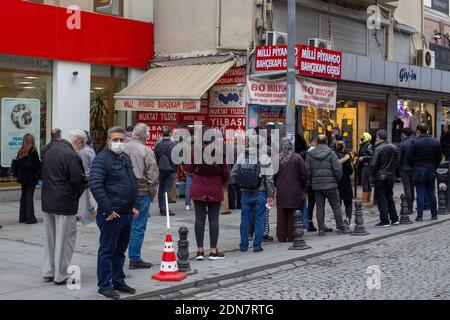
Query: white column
{"points": [[71, 96], [133, 75]]}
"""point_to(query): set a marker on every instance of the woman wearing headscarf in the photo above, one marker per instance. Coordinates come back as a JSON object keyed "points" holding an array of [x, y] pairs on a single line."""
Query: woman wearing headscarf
{"points": [[364, 156], [345, 184], [289, 181]]}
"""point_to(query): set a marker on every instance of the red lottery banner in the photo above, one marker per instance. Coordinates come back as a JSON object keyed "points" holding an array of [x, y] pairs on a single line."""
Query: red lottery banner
{"points": [[202, 116], [157, 117], [310, 61], [155, 132], [236, 75]]}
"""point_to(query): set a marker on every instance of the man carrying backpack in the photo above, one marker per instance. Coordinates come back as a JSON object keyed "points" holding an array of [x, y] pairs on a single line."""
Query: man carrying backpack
{"points": [[253, 175], [167, 169]]}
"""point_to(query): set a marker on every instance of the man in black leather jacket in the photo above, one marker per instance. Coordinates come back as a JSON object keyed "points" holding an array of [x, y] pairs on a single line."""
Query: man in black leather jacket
{"points": [[383, 167]]}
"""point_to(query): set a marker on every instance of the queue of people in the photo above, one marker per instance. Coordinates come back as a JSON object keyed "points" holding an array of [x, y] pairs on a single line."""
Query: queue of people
{"points": [[118, 186]]}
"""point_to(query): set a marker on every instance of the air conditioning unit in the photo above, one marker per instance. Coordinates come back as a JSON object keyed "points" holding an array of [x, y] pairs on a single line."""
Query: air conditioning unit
{"points": [[275, 38], [320, 43], [426, 58]]}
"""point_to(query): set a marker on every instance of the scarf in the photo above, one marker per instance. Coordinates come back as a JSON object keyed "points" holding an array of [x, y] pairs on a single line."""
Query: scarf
{"points": [[286, 151]]}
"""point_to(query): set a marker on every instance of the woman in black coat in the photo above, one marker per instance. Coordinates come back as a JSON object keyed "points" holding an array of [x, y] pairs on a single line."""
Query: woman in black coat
{"points": [[345, 184], [28, 176]]}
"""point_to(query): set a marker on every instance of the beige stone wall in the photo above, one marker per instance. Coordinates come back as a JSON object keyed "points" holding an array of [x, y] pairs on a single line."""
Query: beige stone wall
{"points": [[189, 26]]}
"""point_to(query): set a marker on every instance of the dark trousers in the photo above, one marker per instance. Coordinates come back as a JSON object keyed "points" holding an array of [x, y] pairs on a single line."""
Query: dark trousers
{"points": [[408, 188], [285, 224], [26, 214], [365, 179], [200, 221], [426, 189], [348, 203], [114, 238], [166, 181], [333, 198], [311, 205], [234, 197], [384, 192]]}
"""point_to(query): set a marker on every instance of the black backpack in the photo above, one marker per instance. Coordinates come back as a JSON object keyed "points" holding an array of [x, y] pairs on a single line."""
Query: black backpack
{"points": [[248, 175]]}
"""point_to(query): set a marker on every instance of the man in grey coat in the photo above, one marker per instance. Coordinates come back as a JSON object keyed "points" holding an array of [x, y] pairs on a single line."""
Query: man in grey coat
{"points": [[325, 171]]}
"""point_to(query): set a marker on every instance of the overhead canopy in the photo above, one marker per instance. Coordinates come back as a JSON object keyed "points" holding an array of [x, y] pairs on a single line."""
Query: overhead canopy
{"points": [[176, 87]]}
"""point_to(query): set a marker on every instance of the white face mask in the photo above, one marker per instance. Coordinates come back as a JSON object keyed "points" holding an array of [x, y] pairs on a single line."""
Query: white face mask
{"points": [[117, 147]]}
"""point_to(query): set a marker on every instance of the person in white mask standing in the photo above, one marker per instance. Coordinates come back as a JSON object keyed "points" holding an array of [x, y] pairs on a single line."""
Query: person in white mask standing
{"points": [[114, 186]]}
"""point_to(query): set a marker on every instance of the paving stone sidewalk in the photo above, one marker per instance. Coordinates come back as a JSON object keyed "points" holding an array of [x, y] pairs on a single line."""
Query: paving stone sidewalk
{"points": [[21, 253]]}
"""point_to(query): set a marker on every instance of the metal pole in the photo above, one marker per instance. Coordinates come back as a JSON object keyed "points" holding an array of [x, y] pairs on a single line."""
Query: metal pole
{"points": [[290, 90]]}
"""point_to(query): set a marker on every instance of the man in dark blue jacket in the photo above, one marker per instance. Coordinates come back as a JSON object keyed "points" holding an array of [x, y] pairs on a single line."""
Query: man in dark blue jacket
{"points": [[114, 187], [425, 157], [405, 168]]}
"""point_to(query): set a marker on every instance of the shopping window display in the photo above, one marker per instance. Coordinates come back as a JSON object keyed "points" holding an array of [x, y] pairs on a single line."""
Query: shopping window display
{"points": [[412, 113], [26, 92]]}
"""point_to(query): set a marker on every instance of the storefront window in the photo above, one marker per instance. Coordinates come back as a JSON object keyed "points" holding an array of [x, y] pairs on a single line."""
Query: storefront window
{"points": [[111, 7], [105, 83], [413, 113], [27, 85]]}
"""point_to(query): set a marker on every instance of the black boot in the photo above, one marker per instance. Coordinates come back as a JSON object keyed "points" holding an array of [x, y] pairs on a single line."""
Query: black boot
{"points": [[311, 227]]}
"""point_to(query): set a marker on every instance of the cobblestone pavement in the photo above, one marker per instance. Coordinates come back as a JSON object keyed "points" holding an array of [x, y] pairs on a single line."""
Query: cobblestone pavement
{"points": [[412, 266]]}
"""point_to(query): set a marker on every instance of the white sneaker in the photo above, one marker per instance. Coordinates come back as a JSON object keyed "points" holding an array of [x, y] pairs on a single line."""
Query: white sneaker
{"points": [[188, 208]]}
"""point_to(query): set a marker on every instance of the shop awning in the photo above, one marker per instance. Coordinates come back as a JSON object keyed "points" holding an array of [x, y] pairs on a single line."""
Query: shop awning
{"points": [[176, 87]]}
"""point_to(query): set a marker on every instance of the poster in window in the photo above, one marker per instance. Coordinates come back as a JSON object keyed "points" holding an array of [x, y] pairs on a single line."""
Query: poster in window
{"points": [[19, 117]]}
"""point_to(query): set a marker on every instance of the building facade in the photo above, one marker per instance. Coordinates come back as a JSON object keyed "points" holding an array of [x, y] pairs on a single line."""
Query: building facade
{"points": [[63, 63]]}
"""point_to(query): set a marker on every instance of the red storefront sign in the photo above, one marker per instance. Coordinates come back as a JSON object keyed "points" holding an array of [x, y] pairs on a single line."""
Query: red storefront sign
{"points": [[155, 132], [158, 105], [202, 116], [52, 32], [236, 75], [157, 117], [310, 61]]}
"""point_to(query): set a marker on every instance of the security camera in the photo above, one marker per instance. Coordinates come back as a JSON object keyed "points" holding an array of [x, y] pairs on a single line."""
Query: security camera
{"points": [[75, 73]]}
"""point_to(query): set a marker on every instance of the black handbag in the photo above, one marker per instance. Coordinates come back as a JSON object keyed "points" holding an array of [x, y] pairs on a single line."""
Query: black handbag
{"points": [[14, 168]]}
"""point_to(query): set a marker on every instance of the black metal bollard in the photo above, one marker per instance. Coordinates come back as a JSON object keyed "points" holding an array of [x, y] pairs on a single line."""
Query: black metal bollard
{"points": [[183, 250], [404, 211], [442, 201], [299, 243], [359, 221]]}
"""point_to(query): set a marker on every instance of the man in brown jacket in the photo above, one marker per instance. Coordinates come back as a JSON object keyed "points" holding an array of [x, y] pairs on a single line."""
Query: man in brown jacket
{"points": [[146, 170]]}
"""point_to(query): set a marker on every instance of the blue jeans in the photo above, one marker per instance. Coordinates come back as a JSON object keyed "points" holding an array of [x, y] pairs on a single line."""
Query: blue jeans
{"points": [[187, 195], [426, 189], [304, 210], [138, 227], [256, 202], [114, 237]]}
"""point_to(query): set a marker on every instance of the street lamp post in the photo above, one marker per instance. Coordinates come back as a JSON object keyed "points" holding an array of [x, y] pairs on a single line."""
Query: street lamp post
{"points": [[290, 90]]}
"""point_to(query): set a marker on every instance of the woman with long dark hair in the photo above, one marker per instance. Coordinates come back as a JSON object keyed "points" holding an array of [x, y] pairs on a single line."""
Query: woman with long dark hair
{"points": [[207, 192], [28, 176]]}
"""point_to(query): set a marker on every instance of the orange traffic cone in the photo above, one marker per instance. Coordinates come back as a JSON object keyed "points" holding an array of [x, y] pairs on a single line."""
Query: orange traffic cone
{"points": [[169, 268]]}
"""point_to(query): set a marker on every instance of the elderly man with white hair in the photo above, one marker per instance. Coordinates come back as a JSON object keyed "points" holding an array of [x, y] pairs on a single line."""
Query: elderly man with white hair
{"points": [[63, 183], [146, 170]]}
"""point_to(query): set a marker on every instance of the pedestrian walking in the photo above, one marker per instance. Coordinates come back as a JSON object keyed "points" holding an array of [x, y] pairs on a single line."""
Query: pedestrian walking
{"points": [[28, 172], [383, 166], [87, 203], [189, 175], [254, 176], [147, 174], [425, 157], [325, 171], [406, 173], [345, 184], [64, 181], [364, 156], [114, 186], [207, 192], [167, 169], [56, 137], [289, 182]]}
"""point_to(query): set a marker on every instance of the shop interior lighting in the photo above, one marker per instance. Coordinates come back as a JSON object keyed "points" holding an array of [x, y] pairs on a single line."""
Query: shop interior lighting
{"points": [[31, 78]]}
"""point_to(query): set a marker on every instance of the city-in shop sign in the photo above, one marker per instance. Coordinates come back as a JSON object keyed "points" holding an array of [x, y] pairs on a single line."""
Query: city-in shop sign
{"points": [[310, 61]]}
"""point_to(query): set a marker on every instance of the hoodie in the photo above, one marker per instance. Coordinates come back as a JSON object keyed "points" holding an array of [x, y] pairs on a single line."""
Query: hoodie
{"points": [[324, 168]]}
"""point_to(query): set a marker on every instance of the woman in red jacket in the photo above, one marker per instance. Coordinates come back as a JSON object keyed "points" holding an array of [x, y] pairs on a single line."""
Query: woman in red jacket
{"points": [[207, 193]]}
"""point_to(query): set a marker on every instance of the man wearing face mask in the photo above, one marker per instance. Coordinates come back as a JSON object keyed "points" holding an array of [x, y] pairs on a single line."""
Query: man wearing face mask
{"points": [[63, 183], [114, 187], [146, 171]]}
